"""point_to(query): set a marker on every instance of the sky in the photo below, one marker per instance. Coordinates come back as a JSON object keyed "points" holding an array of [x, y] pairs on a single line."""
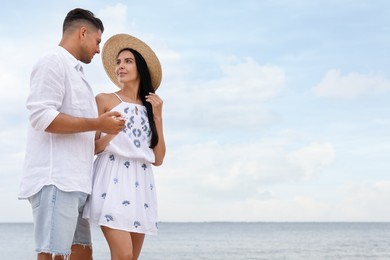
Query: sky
{"points": [[273, 110]]}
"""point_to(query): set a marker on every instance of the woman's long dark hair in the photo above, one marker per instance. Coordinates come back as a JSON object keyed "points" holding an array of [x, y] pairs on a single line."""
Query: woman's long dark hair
{"points": [[144, 89]]}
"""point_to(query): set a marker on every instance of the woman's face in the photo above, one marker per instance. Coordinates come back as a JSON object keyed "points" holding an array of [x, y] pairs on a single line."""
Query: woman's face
{"points": [[126, 68]]}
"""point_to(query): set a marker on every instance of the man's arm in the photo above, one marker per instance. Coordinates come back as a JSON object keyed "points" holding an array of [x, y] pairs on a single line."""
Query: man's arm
{"points": [[109, 123], [46, 98]]}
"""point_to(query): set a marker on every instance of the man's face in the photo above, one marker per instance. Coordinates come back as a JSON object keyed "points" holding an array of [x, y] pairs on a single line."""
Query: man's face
{"points": [[90, 45]]}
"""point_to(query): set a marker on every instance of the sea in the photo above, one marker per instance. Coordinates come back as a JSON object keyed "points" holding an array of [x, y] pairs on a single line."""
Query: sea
{"points": [[233, 241]]}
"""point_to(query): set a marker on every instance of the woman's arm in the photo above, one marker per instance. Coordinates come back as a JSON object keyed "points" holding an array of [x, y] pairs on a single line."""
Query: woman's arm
{"points": [[103, 105], [102, 142], [160, 149]]}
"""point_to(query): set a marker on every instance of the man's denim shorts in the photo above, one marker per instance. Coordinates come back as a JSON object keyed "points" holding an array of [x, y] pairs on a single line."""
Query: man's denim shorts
{"points": [[58, 222]]}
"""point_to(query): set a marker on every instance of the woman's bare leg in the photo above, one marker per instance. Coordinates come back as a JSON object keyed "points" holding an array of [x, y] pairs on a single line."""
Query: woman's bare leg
{"points": [[120, 243], [137, 241], [123, 245]]}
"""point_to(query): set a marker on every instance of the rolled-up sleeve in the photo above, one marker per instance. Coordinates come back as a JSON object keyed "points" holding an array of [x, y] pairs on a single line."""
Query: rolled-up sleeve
{"points": [[47, 91]]}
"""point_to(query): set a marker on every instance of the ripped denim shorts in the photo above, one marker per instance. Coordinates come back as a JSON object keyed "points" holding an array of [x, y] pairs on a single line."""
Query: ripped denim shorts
{"points": [[58, 222]]}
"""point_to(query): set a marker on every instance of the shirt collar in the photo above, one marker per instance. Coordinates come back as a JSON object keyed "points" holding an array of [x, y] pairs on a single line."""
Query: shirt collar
{"points": [[75, 63]]}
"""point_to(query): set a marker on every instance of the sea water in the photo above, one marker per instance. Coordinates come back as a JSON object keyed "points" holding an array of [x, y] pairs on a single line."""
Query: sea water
{"points": [[227, 240]]}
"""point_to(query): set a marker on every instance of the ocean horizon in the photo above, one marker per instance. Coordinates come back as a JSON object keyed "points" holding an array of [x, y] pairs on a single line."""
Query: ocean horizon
{"points": [[217, 240]]}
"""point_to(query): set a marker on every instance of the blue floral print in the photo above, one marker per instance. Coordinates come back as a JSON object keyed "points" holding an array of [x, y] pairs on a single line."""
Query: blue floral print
{"points": [[137, 143], [137, 224], [127, 164], [136, 132], [138, 117], [109, 218]]}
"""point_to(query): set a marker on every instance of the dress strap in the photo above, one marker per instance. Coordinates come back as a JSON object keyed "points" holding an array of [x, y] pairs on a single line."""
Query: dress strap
{"points": [[118, 96]]}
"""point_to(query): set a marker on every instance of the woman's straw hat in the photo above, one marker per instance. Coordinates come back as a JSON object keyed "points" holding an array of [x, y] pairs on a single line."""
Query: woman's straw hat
{"points": [[121, 41]]}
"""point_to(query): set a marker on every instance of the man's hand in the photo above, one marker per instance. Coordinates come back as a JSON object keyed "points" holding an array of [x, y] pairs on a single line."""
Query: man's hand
{"points": [[111, 122]]}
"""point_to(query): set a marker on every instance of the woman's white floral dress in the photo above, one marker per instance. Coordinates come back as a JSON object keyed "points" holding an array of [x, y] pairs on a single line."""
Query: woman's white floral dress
{"points": [[124, 193]]}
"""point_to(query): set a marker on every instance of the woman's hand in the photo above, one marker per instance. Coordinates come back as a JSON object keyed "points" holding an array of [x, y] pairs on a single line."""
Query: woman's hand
{"points": [[157, 105]]}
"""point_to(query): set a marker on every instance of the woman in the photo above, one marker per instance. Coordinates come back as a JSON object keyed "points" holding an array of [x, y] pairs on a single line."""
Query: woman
{"points": [[123, 201]]}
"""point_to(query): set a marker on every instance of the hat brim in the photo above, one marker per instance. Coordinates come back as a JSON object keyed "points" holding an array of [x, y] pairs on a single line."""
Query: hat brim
{"points": [[119, 42]]}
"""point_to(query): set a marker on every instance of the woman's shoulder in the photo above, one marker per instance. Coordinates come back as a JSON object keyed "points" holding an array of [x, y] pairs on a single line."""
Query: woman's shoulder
{"points": [[104, 95], [107, 100]]}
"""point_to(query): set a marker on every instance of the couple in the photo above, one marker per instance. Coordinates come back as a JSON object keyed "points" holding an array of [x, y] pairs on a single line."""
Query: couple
{"points": [[66, 187]]}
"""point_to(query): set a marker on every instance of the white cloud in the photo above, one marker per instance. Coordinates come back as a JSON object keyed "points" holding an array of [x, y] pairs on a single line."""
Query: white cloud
{"points": [[297, 208], [173, 69], [224, 173], [14, 71], [14, 86], [246, 81], [234, 102], [352, 85], [8, 80], [114, 19], [367, 201], [311, 159], [356, 202]]}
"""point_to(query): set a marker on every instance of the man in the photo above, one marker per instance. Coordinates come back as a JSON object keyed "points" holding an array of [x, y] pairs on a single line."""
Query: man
{"points": [[60, 147]]}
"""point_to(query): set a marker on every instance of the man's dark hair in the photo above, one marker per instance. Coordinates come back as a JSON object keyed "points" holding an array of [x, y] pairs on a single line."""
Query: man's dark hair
{"points": [[79, 14]]}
